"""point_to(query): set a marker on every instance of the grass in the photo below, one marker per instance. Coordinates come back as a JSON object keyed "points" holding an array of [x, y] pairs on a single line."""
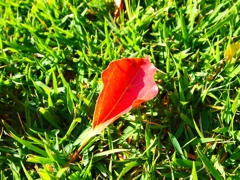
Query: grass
{"points": [[52, 56]]}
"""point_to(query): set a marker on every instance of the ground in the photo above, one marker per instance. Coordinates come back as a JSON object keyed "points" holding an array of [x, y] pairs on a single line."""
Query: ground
{"points": [[52, 56]]}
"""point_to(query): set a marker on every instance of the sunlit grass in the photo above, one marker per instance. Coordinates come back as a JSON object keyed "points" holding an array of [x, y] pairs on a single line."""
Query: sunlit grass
{"points": [[52, 56]]}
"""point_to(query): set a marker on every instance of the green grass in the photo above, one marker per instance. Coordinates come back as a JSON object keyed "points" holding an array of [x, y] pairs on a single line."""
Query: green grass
{"points": [[52, 56]]}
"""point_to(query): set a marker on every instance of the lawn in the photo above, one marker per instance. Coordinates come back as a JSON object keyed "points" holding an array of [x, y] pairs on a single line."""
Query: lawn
{"points": [[53, 53]]}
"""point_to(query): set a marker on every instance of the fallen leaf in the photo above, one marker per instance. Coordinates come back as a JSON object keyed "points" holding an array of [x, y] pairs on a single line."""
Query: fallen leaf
{"points": [[126, 84], [119, 5], [231, 50]]}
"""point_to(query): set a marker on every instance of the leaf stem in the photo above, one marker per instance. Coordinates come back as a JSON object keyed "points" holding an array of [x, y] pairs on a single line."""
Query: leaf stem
{"points": [[84, 142]]}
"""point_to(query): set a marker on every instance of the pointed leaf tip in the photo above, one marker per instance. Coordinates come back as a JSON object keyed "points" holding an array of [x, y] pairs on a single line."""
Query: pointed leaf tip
{"points": [[126, 84]]}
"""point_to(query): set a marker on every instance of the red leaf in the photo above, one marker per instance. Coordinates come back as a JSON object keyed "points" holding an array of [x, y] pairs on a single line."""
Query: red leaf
{"points": [[119, 5], [127, 83]]}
